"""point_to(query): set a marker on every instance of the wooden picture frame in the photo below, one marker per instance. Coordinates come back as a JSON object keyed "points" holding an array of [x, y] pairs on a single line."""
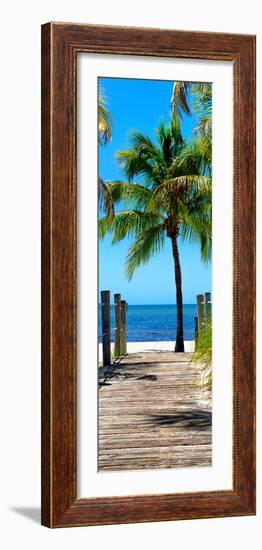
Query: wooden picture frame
{"points": [[61, 42]]}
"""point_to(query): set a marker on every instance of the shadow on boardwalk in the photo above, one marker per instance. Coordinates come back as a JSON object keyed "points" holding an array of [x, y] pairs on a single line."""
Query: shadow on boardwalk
{"points": [[153, 414]]}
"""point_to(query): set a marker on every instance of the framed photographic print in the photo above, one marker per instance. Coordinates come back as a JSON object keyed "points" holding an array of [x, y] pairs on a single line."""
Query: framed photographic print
{"points": [[148, 275]]}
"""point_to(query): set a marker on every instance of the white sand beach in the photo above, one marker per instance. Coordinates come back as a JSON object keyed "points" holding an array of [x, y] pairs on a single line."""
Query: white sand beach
{"points": [[133, 347]]}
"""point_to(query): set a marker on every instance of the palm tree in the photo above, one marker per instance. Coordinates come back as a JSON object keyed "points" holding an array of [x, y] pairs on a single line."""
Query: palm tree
{"points": [[196, 97], [173, 201]]}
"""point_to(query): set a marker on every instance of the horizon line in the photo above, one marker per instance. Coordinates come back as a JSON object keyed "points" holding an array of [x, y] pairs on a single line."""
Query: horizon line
{"points": [[184, 304]]}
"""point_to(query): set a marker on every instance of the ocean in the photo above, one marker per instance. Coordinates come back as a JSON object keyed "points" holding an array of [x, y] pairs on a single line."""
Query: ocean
{"points": [[153, 323]]}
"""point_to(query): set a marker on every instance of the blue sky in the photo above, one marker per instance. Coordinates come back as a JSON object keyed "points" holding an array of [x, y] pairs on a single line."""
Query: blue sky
{"points": [[140, 104]]}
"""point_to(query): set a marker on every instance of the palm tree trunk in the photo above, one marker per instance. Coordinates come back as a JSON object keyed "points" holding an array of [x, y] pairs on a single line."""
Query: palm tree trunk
{"points": [[179, 347]]}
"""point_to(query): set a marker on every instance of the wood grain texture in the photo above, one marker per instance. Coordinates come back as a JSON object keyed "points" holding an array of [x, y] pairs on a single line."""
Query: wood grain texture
{"points": [[45, 282], [60, 45], [154, 414]]}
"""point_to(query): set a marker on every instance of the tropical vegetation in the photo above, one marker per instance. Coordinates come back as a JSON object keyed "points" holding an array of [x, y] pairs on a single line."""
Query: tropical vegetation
{"points": [[196, 98], [104, 136], [104, 120], [203, 352]]}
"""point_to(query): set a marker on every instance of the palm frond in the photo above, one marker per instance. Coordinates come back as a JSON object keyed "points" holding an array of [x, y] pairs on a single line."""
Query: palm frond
{"points": [[129, 223], [105, 199], [202, 107], [135, 164], [196, 227], [143, 157], [147, 244], [171, 192], [195, 158], [170, 138], [104, 120], [179, 100], [194, 97], [143, 145], [204, 125], [200, 184], [131, 194]]}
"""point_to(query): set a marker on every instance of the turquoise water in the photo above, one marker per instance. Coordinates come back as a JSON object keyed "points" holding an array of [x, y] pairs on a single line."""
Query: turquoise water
{"points": [[154, 323]]}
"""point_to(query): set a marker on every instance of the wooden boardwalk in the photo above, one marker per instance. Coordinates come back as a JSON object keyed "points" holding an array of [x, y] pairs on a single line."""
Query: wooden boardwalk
{"points": [[153, 414]]}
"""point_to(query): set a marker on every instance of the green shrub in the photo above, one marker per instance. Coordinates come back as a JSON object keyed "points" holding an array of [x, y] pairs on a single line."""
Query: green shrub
{"points": [[203, 353]]}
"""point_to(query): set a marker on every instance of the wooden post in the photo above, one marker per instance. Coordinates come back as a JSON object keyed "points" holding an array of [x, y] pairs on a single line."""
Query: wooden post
{"points": [[117, 305], [208, 306], [105, 301], [200, 310], [123, 328]]}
